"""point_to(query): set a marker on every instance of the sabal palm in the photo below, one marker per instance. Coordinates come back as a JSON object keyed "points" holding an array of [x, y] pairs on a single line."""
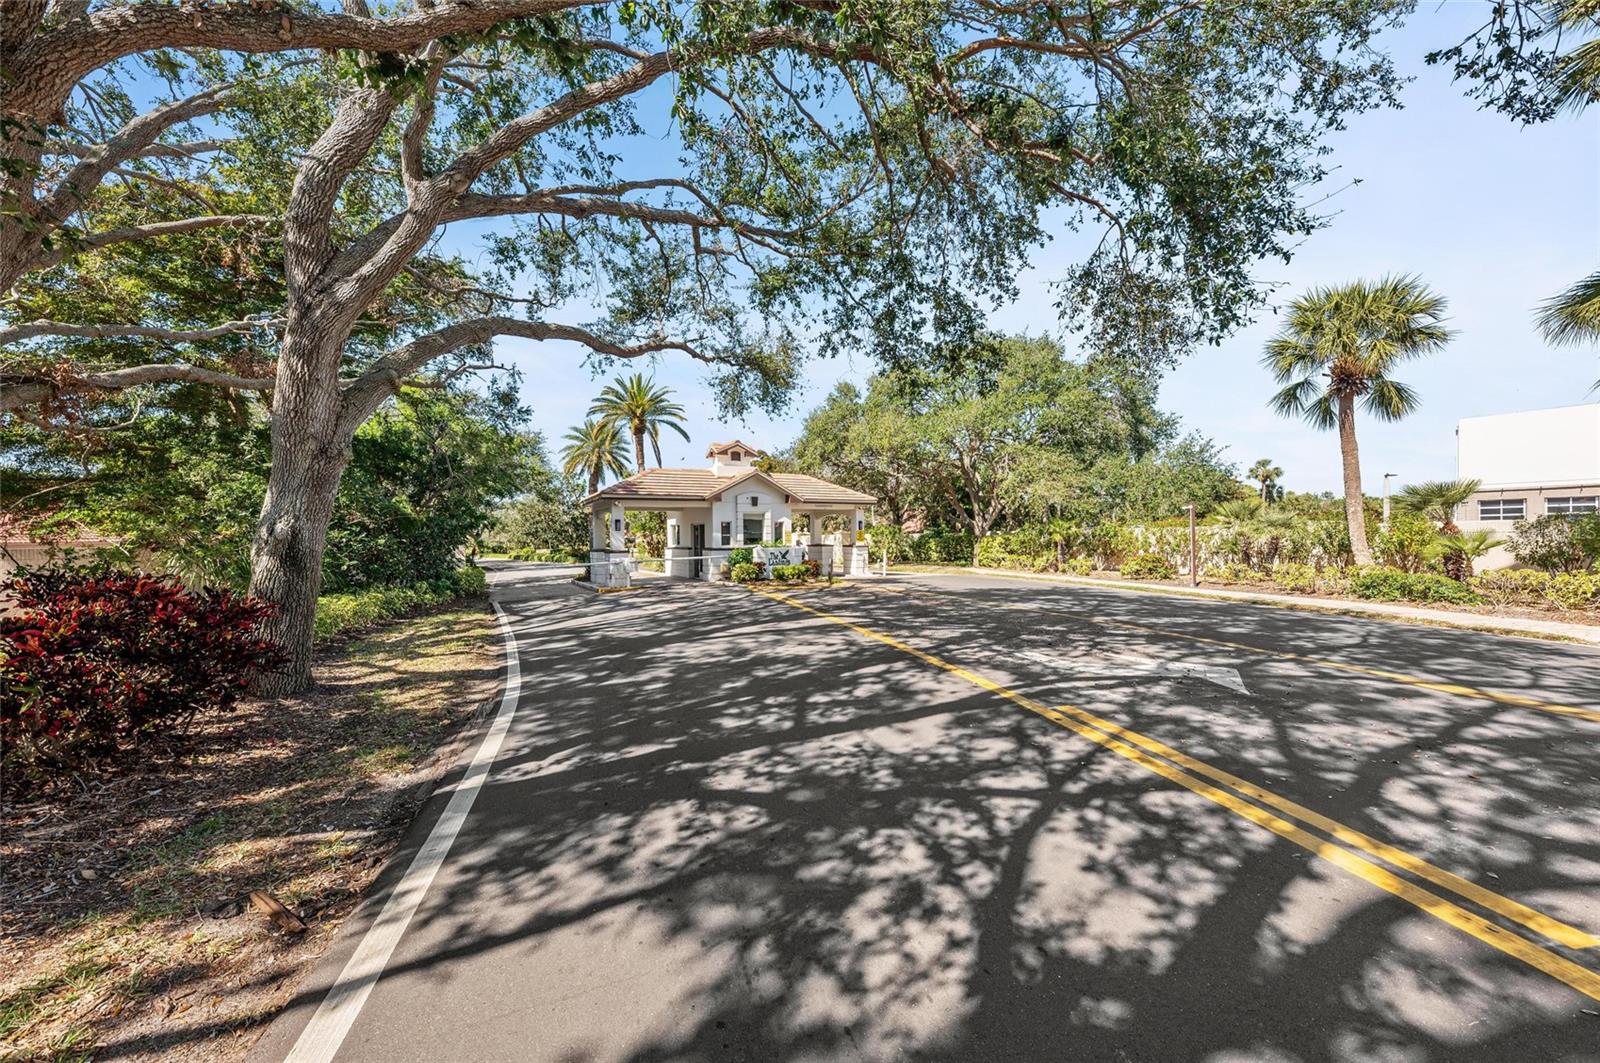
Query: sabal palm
{"points": [[644, 408], [1437, 500], [597, 449], [1459, 550], [1237, 512], [1337, 346], [1266, 474]]}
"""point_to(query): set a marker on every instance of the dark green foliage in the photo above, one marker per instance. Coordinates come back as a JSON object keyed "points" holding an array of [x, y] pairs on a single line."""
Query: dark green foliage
{"points": [[748, 572], [1393, 585], [741, 555], [1012, 432], [184, 482], [425, 477], [547, 520], [942, 546], [1586, 537], [1550, 543]]}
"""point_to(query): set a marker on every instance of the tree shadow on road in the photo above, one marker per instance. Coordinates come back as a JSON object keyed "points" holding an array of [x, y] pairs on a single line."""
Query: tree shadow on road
{"points": [[724, 829]]}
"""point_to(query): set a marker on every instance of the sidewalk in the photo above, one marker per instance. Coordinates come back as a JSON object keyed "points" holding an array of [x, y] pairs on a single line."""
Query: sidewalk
{"points": [[1587, 633]]}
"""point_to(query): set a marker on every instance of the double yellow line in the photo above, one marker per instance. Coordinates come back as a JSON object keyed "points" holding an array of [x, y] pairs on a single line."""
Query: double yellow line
{"points": [[1193, 774]]}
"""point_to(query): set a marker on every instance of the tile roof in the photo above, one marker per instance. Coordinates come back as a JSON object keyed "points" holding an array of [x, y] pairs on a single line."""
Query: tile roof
{"points": [[810, 489], [702, 484], [717, 448], [666, 483]]}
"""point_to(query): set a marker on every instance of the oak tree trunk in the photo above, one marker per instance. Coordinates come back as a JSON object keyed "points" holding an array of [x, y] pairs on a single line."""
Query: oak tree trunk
{"points": [[310, 449], [1355, 510]]}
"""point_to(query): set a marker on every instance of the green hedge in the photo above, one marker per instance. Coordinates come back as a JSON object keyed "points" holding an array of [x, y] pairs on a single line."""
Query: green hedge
{"points": [[791, 573], [1148, 566], [942, 546], [338, 614], [1392, 585], [561, 555]]}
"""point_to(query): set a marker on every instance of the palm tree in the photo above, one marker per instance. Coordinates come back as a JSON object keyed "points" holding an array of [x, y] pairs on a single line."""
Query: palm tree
{"points": [[645, 409], [1460, 549], [1338, 345], [1266, 474], [1237, 512], [1437, 500], [1573, 316], [597, 449]]}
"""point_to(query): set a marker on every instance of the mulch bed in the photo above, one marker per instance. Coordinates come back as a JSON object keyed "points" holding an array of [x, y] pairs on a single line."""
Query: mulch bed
{"points": [[126, 912]]}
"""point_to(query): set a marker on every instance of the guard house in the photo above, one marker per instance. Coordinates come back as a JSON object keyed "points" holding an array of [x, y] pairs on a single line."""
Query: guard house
{"points": [[715, 510]]}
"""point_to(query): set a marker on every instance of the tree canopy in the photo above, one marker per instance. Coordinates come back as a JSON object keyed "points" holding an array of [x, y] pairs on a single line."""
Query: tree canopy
{"points": [[833, 176], [1018, 433]]}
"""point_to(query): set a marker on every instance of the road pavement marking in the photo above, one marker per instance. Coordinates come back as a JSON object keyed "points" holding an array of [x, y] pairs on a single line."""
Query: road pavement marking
{"points": [[1559, 967], [1554, 929], [1460, 690], [326, 1031]]}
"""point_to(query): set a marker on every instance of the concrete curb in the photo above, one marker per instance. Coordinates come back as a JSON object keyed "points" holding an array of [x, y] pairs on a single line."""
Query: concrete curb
{"points": [[1499, 625]]}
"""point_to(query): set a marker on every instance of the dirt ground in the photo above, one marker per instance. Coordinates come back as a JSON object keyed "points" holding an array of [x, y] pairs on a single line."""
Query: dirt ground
{"points": [[125, 916]]}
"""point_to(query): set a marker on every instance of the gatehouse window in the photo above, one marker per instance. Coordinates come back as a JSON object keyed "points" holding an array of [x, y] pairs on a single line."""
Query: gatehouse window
{"points": [[1572, 505], [1502, 508], [727, 533]]}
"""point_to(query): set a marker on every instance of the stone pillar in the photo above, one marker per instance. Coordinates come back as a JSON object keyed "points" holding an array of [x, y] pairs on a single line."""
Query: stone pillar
{"points": [[678, 546]]}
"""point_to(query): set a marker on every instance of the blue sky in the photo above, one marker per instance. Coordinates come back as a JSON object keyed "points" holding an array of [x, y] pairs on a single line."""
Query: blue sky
{"points": [[1494, 216]]}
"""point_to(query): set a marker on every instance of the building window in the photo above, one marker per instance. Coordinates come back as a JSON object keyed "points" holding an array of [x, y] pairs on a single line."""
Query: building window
{"points": [[673, 528], [777, 530], [752, 530], [727, 533], [616, 524], [1502, 508], [737, 455], [1572, 505]]}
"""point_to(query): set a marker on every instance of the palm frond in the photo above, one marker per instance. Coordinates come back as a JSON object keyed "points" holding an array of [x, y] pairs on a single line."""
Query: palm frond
{"points": [[1321, 413], [1293, 400], [1390, 400], [1573, 316]]}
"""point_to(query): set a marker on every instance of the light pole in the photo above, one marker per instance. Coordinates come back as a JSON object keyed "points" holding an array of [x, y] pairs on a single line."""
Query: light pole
{"points": [[1386, 478], [1194, 551]]}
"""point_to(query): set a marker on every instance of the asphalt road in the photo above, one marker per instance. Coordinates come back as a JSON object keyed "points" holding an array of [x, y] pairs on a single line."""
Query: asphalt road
{"points": [[970, 818]]}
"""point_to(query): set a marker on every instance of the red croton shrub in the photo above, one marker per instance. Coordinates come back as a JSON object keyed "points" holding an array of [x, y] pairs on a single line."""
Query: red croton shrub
{"points": [[94, 661]]}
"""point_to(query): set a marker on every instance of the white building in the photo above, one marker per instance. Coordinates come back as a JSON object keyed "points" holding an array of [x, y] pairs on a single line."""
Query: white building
{"points": [[729, 505], [1530, 464]]}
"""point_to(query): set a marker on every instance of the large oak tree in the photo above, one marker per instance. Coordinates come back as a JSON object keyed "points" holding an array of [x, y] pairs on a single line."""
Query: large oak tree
{"points": [[743, 183]]}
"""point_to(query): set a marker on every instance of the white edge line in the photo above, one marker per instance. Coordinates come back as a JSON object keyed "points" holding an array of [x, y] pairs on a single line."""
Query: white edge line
{"points": [[328, 1027]]}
